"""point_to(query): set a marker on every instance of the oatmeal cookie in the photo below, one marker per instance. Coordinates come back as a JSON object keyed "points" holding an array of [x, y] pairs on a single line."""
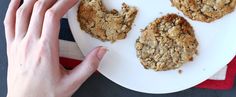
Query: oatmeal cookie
{"points": [[205, 10], [105, 25], [167, 43]]}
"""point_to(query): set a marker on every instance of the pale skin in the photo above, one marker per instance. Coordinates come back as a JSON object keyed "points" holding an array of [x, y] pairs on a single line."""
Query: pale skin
{"points": [[33, 53]]}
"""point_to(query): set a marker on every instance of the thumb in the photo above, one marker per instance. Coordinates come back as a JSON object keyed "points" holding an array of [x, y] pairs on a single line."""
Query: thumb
{"points": [[82, 72]]}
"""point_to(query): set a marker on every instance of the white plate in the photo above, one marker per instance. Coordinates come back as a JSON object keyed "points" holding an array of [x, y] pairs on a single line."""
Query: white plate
{"points": [[217, 47]]}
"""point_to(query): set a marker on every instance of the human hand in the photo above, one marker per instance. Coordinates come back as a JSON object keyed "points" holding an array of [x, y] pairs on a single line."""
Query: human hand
{"points": [[33, 53]]}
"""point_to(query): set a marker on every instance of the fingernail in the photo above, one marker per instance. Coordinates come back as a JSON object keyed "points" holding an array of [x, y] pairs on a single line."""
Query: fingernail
{"points": [[101, 52]]}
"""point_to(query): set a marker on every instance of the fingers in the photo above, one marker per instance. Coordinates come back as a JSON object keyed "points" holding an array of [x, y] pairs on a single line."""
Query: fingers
{"points": [[52, 18], [23, 15], [10, 18], [36, 22], [83, 71]]}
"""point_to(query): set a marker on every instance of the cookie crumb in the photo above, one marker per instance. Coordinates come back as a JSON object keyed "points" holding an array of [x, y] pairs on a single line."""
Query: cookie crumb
{"points": [[180, 71]]}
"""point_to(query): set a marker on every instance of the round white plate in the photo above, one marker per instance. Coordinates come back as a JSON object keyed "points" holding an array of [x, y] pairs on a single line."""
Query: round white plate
{"points": [[217, 47]]}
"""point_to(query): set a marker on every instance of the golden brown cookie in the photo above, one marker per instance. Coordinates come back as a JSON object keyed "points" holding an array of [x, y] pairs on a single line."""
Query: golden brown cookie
{"points": [[205, 10], [166, 43], [105, 25]]}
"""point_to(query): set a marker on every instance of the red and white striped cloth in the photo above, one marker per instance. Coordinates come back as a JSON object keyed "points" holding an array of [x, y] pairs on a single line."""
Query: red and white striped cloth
{"points": [[224, 79]]}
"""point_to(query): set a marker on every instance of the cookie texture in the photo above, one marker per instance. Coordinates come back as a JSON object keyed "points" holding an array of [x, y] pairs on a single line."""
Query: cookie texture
{"points": [[105, 25], [166, 43], [205, 10]]}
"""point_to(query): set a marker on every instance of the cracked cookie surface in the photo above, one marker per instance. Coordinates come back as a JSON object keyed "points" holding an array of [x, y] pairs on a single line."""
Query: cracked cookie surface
{"points": [[205, 10], [166, 43], [105, 25]]}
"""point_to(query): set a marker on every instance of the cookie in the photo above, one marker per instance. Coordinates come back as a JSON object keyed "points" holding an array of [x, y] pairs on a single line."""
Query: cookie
{"points": [[105, 25], [166, 43], [205, 10]]}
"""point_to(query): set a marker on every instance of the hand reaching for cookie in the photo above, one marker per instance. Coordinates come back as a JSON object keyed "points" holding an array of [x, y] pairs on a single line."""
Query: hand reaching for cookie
{"points": [[33, 53]]}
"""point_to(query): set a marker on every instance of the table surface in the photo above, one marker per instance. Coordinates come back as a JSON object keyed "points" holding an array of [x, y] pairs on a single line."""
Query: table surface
{"points": [[97, 85]]}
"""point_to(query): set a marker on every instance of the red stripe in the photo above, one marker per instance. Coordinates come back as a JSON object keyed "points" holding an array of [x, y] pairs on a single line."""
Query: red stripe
{"points": [[69, 63], [226, 84], [208, 84]]}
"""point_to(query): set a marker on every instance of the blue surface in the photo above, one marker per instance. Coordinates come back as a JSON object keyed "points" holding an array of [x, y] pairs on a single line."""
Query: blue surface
{"points": [[98, 85]]}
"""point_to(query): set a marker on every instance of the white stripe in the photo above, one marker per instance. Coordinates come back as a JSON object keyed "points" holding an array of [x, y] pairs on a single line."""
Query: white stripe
{"points": [[65, 16], [70, 50], [221, 75]]}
